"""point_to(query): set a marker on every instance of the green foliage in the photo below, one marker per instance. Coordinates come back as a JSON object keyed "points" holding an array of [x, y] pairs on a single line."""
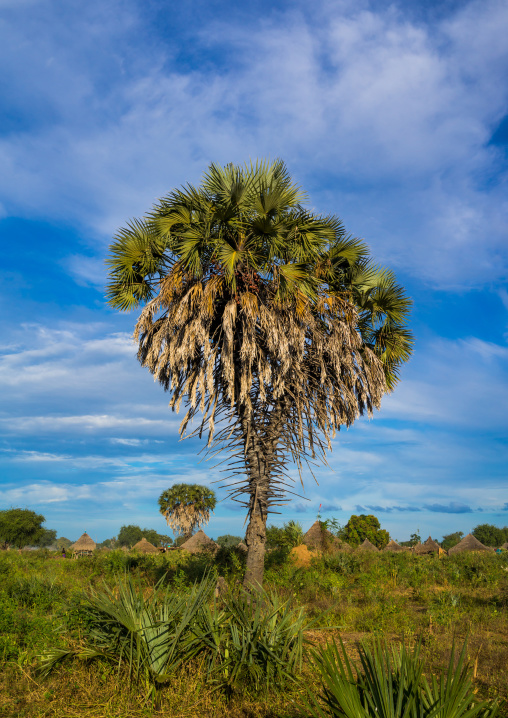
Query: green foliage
{"points": [[490, 535], [414, 539], [23, 527], [130, 535], [274, 537], [253, 642], [187, 507], [450, 540], [362, 527], [390, 684], [287, 536], [228, 541]]}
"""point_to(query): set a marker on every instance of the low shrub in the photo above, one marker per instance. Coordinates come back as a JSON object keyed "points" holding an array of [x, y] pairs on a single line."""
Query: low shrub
{"points": [[391, 684]]}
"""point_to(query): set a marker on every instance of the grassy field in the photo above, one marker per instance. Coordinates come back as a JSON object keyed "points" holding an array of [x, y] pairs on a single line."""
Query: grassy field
{"points": [[399, 597]]}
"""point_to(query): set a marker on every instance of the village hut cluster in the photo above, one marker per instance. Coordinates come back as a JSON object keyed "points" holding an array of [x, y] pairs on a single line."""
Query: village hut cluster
{"points": [[319, 539], [86, 546], [316, 540]]}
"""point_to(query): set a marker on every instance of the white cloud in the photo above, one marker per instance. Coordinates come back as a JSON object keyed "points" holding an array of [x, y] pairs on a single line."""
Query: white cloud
{"points": [[364, 97]]}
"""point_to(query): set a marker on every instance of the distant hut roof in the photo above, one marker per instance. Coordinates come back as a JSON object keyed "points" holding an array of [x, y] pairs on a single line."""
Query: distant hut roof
{"points": [[242, 546], [429, 546], [84, 543], [199, 542], [124, 548], [319, 538], [469, 543], [314, 536], [367, 546], [393, 546], [145, 546], [505, 546]]}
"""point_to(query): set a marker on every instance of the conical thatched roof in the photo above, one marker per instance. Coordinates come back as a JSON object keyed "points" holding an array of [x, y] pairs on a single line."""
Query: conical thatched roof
{"points": [[393, 546], [145, 546], [367, 546], [84, 543], [199, 542], [314, 536], [242, 546], [429, 546], [505, 546], [469, 543], [318, 539]]}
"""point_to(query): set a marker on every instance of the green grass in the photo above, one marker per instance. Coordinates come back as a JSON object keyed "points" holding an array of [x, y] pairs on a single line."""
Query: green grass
{"points": [[354, 598]]}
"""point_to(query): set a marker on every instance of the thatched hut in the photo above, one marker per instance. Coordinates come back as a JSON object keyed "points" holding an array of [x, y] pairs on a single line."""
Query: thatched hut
{"points": [[145, 546], [199, 542], [84, 546], [505, 546], [367, 546], [469, 543], [242, 546], [393, 546], [429, 546], [319, 539]]}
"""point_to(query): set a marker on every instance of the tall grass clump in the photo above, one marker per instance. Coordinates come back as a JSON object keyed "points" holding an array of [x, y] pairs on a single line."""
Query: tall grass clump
{"points": [[389, 683]]}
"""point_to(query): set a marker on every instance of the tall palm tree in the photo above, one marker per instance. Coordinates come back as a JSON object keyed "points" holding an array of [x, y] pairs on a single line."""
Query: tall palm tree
{"points": [[267, 320]]}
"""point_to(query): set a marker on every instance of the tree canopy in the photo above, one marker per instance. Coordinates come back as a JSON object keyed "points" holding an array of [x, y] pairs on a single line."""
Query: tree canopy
{"points": [[187, 507], [362, 527], [451, 540], [23, 527], [228, 541], [490, 535], [269, 321], [130, 535]]}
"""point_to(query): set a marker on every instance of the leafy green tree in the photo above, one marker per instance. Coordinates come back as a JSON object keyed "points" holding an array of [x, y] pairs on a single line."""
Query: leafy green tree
{"points": [[23, 527], [227, 541], [289, 535], [274, 536], [414, 539], [362, 527], [130, 535], [489, 535], [268, 320], [451, 540], [187, 507]]}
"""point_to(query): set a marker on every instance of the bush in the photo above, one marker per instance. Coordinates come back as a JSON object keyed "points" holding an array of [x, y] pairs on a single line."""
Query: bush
{"points": [[390, 684], [250, 642]]}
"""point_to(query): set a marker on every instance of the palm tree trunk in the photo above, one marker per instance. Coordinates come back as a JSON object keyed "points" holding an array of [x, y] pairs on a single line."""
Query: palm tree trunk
{"points": [[259, 460]]}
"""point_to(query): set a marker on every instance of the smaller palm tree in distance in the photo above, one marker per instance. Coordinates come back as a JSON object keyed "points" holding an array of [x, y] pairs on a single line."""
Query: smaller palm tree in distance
{"points": [[187, 507]]}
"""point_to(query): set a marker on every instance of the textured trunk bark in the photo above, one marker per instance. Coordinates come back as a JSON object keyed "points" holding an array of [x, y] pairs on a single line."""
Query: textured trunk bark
{"points": [[255, 539], [260, 452]]}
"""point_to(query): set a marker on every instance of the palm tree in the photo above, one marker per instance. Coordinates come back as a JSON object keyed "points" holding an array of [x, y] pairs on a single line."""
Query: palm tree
{"points": [[187, 507], [267, 320]]}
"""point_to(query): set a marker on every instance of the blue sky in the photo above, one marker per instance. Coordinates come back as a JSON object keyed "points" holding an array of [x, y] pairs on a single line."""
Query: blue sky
{"points": [[392, 115]]}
